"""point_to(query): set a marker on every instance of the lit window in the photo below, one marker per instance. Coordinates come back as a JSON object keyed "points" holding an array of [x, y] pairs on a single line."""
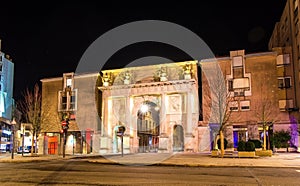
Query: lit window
{"points": [[69, 82]]}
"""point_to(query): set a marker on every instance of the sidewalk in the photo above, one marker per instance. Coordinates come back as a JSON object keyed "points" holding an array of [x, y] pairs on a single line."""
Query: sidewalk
{"points": [[175, 159]]}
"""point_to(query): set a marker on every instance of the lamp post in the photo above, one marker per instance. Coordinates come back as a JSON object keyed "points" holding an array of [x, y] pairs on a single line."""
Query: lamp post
{"points": [[13, 123]]}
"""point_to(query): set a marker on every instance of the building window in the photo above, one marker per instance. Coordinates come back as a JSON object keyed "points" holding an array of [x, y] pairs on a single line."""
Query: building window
{"points": [[73, 100], [239, 92], [67, 101], [284, 82], [62, 101], [233, 106], [68, 80], [245, 105], [237, 61], [1, 65], [238, 72], [286, 59], [230, 85], [286, 104], [241, 83]]}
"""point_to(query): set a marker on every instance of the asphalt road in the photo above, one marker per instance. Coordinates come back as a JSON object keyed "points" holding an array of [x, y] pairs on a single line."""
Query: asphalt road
{"points": [[81, 172]]}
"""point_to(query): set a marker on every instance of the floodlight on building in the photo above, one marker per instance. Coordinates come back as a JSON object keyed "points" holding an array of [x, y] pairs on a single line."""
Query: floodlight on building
{"points": [[144, 108]]}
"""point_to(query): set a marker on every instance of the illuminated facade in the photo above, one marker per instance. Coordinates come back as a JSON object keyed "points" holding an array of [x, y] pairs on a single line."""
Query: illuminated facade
{"points": [[286, 34], [259, 90], [171, 107], [158, 105], [6, 100], [75, 96]]}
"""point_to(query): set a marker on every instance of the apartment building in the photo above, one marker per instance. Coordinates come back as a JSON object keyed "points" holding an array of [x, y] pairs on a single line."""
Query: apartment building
{"points": [[286, 34], [255, 91], [6, 101]]}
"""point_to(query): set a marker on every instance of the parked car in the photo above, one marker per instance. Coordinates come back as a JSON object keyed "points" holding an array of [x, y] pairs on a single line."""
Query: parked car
{"points": [[29, 148], [25, 150]]}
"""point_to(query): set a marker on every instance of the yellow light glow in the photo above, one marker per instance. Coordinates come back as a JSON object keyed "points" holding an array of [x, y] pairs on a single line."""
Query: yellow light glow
{"points": [[144, 108]]}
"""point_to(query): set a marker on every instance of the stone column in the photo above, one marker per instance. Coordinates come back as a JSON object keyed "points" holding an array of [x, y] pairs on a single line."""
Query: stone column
{"points": [[162, 117], [105, 141], [163, 137], [104, 114], [128, 111], [128, 124], [189, 124], [189, 119]]}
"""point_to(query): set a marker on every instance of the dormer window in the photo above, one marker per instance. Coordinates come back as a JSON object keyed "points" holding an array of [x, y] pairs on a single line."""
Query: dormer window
{"points": [[68, 81]]}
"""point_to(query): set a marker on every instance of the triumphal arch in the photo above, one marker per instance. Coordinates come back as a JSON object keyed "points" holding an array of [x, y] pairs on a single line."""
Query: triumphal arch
{"points": [[157, 104]]}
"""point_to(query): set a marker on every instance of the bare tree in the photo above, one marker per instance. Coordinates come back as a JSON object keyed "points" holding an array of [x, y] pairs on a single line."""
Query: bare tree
{"points": [[30, 107], [218, 99], [265, 113]]}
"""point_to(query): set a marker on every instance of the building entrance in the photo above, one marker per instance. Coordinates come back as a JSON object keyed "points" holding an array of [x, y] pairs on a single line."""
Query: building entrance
{"points": [[148, 127]]}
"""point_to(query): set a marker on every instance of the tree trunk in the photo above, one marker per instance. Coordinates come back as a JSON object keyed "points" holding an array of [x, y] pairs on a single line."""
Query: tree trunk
{"points": [[215, 146], [265, 139], [222, 143], [32, 143]]}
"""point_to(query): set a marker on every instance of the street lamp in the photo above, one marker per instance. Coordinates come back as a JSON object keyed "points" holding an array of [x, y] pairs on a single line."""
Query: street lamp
{"points": [[13, 123]]}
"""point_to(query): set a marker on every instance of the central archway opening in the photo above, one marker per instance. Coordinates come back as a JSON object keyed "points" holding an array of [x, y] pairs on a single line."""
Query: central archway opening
{"points": [[148, 127], [178, 140]]}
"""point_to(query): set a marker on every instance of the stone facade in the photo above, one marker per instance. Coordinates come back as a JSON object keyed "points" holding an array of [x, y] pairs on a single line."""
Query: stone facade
{"points": [[170, 91]]}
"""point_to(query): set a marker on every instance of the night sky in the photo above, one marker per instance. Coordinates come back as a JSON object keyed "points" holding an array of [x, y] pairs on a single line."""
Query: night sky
{"points": [[47, 39]]}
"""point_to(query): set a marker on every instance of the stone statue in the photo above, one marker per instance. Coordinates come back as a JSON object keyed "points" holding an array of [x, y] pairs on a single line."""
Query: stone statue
{"points": [[126, 80], [187, 71], [163, 74], [106, 80]]}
